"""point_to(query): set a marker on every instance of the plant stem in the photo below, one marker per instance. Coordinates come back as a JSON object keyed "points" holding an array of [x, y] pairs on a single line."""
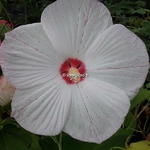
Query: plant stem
{"points": [[59, 143], [119, 148], [59, 146], [136, 130], [144, 128], [142, 111], [134, 116]]}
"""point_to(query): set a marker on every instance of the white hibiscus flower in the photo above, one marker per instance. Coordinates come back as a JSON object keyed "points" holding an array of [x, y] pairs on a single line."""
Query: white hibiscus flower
{"points": [[74, 72]]}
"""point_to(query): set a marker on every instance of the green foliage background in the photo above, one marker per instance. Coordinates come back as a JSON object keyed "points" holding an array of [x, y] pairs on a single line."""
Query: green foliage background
{"points": [[135, 15]]}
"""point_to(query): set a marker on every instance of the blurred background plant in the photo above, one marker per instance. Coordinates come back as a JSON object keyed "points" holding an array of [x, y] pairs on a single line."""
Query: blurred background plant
{"points": [[135, 15]]}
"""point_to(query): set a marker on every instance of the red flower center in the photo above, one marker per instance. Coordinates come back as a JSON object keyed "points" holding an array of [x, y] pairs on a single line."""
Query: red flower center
{"points": [[73, 71]]}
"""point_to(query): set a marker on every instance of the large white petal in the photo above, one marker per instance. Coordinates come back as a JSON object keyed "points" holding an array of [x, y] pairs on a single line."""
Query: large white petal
{"points": [[72, 25], [28, 57], [118, 57], [97, 110], [43, 109]]}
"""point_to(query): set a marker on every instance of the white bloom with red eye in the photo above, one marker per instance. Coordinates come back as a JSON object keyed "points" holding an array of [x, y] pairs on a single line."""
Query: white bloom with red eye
{"points": [[6, 91], [74, 72]]}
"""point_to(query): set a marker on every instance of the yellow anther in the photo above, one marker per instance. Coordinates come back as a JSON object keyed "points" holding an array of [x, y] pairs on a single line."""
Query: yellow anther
{"points": [[74, 75]]}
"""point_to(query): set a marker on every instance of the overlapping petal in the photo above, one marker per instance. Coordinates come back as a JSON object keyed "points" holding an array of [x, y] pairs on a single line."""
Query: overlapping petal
{"points": [[97, 110], [72, 25], [43, 109], [28, 57], [120, 58], [6, 91]]}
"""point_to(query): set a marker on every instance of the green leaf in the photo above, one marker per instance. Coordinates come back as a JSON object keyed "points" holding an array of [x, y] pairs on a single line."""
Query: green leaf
{"points": [[35, 143], [14, 138], [126, 5], [117, 139], [139, 11], [8, 122], [140, 97], [3, 30], [121, 131], [144, 30], [47, 143], [128, 120], [69, 143], [148, 85]]}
